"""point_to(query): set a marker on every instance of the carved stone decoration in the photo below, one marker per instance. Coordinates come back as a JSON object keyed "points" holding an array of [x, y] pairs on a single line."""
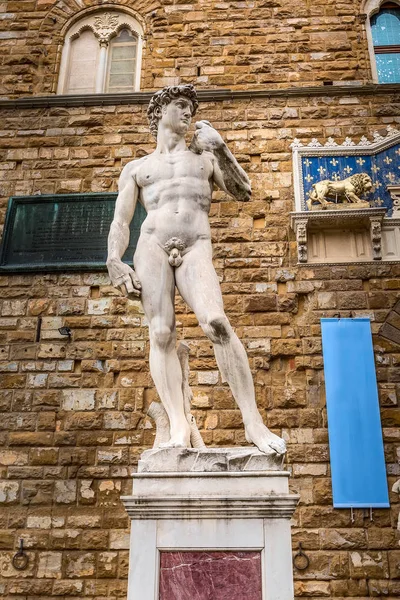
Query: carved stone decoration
{"points": [[335, 160], [301, 237], [394, 191], [296, 144], [340, 237], [348, 142], [330, 143], [391, 131], [376, 238], [378, 137], [314, 143], [105, 25], [340, 194]]}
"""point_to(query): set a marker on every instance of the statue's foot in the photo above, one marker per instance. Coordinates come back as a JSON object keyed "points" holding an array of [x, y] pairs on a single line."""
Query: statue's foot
{"points": [[173, 444], [179, 439], [266, 441]]}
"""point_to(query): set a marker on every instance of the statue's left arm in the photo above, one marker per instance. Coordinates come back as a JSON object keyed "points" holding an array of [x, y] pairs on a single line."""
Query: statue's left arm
{"points": [[228, 174]]}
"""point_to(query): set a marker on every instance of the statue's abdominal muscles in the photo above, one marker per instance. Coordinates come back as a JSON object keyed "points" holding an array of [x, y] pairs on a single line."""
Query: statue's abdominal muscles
{"points": [[176, 207]]}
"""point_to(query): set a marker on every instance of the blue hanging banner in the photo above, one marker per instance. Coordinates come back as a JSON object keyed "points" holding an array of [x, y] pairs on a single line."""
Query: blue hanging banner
{"points": [[354, 424]]}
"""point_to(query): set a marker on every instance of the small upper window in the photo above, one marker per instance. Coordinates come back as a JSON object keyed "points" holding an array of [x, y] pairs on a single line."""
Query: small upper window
{"points": [[101, 53], [385, 30]]}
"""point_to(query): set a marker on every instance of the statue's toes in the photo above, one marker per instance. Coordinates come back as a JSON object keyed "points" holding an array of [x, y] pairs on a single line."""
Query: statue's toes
{"points": [[279, 446]]}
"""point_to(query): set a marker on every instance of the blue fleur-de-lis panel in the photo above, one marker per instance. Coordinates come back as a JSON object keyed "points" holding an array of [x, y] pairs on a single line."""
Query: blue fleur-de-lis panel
{"points": [[383, 168]]}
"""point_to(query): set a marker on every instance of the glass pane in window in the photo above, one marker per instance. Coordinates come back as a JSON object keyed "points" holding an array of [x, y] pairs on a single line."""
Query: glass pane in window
{"points": [[385, 27], [125, 36], [123, 52], [388, 66], [122, 63], [122, 66], [83, 64], [125, 80]]}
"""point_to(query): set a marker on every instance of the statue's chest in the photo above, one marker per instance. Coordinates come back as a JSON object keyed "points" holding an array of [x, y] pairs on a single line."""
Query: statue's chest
{"points": [[167, 169]]}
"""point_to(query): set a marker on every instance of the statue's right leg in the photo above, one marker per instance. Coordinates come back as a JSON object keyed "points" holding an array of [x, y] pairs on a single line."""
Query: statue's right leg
{"points": [[157, 296]]}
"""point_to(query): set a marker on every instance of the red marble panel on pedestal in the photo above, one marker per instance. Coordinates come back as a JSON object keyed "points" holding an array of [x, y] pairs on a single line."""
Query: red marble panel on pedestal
{"points": [[210, 575]]}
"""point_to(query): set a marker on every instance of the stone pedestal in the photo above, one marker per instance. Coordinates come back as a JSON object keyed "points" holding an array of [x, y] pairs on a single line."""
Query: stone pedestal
{"points": [[210, 524]]}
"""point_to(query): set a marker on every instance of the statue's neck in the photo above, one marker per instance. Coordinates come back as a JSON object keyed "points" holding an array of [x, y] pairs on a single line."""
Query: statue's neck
{"points": [[169, 141]]}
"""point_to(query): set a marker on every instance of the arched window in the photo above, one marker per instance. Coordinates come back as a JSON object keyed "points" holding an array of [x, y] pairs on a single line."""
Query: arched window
{"points": [[101, 53], [384, 41]]}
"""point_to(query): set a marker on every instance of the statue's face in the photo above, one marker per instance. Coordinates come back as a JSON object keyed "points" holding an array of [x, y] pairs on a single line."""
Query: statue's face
{"points": [[177, 115]]}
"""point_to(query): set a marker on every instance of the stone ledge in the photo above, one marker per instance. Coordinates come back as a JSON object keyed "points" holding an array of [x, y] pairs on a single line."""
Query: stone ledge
{"points": [[209, 460], [368, 220], [216, 95], [269, 507]]}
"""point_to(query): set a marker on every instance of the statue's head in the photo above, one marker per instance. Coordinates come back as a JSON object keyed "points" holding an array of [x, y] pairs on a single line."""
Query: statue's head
{"points": [[184, 111]]}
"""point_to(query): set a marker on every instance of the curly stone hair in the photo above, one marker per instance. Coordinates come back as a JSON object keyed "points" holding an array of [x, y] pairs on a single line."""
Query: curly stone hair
{"points": [[165, 96], [359, 181]]}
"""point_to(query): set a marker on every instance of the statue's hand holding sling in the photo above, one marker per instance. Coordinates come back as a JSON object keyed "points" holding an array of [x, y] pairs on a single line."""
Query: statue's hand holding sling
{"points": [[205, 138], [228, 174]]}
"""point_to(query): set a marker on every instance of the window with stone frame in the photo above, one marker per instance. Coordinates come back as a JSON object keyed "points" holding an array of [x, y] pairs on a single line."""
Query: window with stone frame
{"points": [[101, 53], [385, 33]]}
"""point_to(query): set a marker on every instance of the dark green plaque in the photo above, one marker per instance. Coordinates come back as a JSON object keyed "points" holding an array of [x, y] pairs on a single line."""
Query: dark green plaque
{"points": [[66, 232]]}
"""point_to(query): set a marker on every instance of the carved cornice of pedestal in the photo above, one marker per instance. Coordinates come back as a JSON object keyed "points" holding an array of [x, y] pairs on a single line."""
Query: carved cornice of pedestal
{"points": [[269, 507], [369, 218]]}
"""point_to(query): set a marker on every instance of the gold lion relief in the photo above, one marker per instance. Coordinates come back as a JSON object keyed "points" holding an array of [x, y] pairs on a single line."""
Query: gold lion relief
{"points": [[341, 194]]}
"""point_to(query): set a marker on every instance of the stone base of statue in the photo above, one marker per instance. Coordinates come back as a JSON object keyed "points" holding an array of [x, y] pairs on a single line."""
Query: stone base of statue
{"points": [[210, 523]]}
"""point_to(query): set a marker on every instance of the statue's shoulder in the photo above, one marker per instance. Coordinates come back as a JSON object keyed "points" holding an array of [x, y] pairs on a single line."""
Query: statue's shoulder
{"points": [[132, 167]]}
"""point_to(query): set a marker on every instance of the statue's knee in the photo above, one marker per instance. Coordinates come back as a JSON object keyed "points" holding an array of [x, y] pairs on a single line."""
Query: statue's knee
{"points": [[162, 336], [218, 329]]}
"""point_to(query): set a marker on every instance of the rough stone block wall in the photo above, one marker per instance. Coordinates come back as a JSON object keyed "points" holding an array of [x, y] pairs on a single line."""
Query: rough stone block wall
{"points": [[210, 43], [73, 413]]}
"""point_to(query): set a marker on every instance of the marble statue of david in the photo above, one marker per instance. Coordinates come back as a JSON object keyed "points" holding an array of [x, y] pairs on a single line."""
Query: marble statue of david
{"points": [[175, 183]]}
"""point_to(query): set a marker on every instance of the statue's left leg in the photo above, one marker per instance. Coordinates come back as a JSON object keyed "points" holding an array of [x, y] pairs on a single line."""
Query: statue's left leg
{"points": [[198, 284]]}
